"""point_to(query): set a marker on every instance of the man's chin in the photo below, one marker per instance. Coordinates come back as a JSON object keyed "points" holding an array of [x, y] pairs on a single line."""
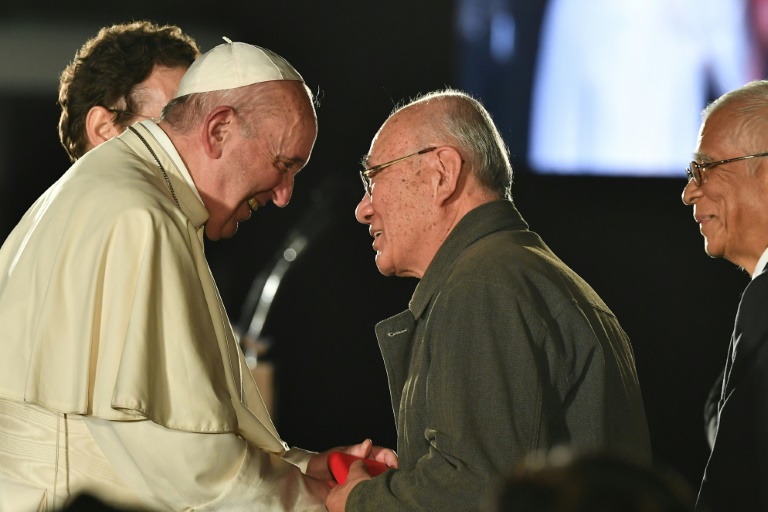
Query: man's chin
{"points": [[222, 234], [712, 252], [384, 269], [230, 233]]}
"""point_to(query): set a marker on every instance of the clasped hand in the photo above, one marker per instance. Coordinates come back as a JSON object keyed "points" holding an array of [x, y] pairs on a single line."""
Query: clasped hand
{"points": [[337, 497]]}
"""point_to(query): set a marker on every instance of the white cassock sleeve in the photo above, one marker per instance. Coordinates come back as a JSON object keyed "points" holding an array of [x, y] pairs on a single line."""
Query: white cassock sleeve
{"points": [[174, 470]]}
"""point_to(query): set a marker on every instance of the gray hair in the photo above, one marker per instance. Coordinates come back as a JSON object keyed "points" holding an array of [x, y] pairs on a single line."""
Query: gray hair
{"points": [[185, 113], [465, 121], [749, 106]]}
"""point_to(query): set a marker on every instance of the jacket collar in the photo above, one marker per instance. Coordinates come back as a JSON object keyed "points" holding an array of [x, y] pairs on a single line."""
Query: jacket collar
{"points": [[478, 223]]}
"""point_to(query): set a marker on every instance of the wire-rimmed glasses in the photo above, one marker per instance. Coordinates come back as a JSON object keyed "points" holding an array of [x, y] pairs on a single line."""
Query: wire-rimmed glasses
{"points": [[367, 174], [695, 170]]}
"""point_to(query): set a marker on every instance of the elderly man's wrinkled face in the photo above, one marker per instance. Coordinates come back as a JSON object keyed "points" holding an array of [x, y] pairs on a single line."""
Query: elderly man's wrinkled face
{"points": [[262, 165], [399, 210], [731, 205]]}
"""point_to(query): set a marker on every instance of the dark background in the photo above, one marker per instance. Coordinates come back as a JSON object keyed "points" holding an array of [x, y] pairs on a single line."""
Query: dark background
{"points": [[631, 238]]}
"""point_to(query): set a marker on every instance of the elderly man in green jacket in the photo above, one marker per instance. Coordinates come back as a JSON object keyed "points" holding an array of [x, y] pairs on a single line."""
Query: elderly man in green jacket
{"points": [[504, 349]]}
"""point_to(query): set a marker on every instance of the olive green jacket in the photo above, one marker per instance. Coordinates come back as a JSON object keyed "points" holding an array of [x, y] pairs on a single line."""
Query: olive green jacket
{"points": [[503, 350]]}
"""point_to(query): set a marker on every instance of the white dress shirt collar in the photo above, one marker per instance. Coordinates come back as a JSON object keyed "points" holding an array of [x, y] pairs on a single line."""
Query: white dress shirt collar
{"points": [[760, 264]]}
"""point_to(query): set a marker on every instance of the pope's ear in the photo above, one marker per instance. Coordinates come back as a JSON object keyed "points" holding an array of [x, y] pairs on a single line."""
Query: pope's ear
{"points": [[99, 126], [217, 129], [449, 164]]}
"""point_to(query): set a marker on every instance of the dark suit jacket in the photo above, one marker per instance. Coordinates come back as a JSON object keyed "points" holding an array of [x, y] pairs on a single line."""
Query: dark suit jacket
{"points": [[736, 477]]}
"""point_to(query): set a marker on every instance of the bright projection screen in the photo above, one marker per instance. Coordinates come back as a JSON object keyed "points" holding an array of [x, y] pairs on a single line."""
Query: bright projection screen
{"points": [[606, 87]]}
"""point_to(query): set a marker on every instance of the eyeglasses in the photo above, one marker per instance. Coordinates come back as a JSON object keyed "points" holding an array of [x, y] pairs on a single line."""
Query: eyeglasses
{"points": [[695, 170], [367, 174]]}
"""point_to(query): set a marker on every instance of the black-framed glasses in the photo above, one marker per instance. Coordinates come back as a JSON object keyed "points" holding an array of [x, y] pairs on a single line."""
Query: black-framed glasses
{"points": [[695, 170], [367, 174]]}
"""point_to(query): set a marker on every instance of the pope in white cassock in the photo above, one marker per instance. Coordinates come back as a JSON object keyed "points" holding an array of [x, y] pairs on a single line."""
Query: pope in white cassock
{"points": [[120, 376]]}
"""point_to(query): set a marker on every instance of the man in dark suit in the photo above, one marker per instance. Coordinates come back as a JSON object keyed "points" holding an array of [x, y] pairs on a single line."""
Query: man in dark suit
{"points": [[728, 189]]}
